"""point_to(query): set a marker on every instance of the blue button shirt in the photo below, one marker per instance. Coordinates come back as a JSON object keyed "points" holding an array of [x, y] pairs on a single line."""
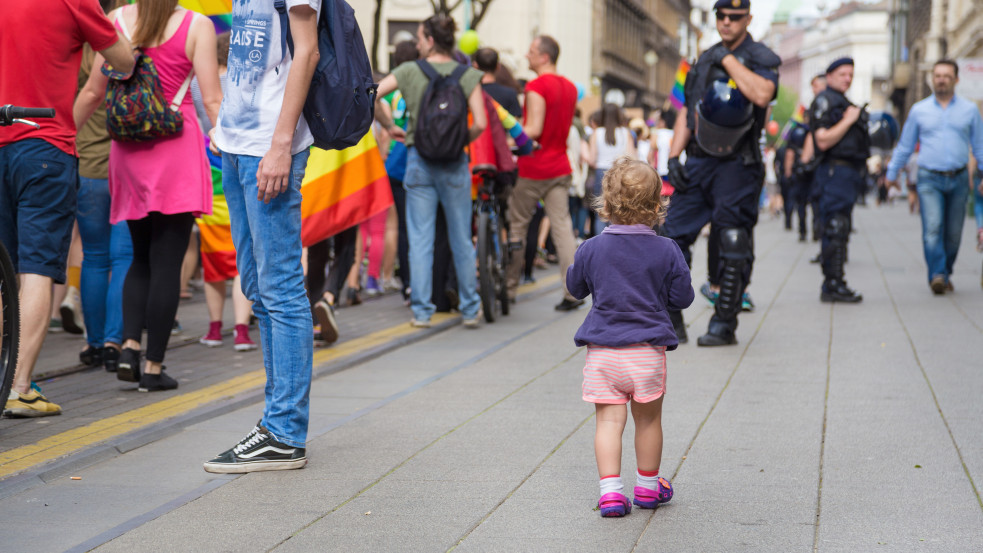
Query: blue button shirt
{"points": [[945, 135]]}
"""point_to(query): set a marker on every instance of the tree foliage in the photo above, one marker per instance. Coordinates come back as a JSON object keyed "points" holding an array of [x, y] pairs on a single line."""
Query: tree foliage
{"points": [[785, 106], [480, 8]]}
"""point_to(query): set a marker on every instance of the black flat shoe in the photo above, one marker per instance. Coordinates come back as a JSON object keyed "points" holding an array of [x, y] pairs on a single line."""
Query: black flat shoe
{"points": [[91, 357], [712, 340], [129, 365], [568, 305], [110, 359], [157, 382]]}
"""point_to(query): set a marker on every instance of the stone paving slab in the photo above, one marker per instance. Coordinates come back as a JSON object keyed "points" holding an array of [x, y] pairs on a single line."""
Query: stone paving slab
{"points": [[803, 437]]}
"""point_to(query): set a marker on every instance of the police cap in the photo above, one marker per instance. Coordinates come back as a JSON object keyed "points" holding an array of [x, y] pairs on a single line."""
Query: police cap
{"points": [[837, 63], [733, 4]]}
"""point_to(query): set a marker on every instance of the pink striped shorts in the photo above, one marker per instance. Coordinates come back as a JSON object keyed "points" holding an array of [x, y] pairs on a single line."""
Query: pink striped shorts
{"points": [[618, 374]]}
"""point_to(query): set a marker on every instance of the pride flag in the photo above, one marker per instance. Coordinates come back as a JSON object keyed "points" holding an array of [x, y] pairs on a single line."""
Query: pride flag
{"points": [[219, 11], [799, 115], [677, 99], [342, 188], [218, 253]]}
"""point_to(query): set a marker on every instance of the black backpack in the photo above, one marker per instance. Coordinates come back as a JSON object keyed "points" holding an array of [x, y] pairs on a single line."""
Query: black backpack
{"points": [[340, 104], [441, 131]]}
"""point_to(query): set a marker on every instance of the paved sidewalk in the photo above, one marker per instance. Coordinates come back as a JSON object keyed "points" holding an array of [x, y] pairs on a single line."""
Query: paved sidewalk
{"points": [[828, 428]]}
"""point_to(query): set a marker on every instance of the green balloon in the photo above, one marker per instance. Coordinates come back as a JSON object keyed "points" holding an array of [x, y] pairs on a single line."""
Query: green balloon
{"points": [[469, 42]]}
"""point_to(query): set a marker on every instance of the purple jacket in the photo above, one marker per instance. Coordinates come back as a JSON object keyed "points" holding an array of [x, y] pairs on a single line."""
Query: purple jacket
{"points": [[634, 276]]}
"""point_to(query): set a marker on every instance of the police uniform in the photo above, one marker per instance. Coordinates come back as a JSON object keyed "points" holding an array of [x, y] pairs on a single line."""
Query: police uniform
{"points": [[839, 175], [799, 182], [724, 185]]}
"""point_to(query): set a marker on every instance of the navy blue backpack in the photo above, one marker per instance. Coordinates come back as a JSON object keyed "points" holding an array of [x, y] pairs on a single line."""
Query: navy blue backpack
{"points": [[340, 104]]}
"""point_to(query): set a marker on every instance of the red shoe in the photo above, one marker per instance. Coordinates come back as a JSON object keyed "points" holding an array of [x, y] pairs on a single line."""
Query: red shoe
{"points": [[243, 342]]}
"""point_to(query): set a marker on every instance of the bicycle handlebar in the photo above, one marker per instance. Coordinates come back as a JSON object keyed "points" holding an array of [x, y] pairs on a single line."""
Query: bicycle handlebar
{"points": [[9, 113]]}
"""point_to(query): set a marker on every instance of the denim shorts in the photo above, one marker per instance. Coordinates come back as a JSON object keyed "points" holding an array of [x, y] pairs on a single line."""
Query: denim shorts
{"points": [[38, 187]]}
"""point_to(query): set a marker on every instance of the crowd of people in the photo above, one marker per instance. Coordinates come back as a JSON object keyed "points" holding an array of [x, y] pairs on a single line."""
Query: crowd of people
{"points": [[589, 197]]}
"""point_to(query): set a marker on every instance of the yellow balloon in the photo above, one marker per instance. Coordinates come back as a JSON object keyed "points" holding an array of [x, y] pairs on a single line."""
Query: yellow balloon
{"points": [[469, 42]]}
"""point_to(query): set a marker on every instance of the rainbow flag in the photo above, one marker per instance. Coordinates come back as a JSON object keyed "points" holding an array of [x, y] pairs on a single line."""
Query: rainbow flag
{"points": [[799, 115], [218, 252], [219, 11], [342, 188], [514, 129], [677, 99]]}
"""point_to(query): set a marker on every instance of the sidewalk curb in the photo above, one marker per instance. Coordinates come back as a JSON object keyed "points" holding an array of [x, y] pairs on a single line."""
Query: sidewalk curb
{"points": [[138, 438]]}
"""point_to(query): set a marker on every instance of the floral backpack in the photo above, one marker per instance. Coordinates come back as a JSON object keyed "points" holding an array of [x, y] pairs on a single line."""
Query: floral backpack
{"points": [[136, 109]]}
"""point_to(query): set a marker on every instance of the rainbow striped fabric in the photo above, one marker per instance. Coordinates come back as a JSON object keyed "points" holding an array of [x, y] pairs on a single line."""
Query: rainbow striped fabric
{"points": [[678, 99], [342, 188], [512, 126], [219, 11], [218, 252]]}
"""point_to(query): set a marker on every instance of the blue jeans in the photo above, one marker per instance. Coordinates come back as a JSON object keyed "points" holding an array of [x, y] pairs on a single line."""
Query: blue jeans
{"points": [[942, 200], [107, 251], [426, 184], [268, 252]]}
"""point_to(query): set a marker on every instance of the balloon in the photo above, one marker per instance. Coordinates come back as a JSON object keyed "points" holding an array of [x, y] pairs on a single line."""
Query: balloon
{"points": [[581, 90], [469, 42], [772, 127]]}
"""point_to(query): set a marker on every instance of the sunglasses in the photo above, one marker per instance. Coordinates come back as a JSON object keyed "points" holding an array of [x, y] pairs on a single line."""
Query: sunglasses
{"points": [[735, 17]]}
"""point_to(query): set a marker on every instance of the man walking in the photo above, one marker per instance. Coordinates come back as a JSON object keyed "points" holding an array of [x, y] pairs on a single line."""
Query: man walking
{"points": [[726, 96], [839, 131], [39, 65], [265, 144], [945, 126], [545, 174]]}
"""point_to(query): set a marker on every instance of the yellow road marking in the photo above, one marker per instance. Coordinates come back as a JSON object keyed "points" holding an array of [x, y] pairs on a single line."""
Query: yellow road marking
{"points": [[70, 441]]}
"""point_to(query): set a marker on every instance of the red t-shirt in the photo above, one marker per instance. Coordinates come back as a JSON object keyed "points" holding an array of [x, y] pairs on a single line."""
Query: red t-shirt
{"points": [[551, 161], [40, 52]]}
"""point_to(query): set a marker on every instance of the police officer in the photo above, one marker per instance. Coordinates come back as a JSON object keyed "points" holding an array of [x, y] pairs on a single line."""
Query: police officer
{"points": [[727, 93], [839, 131], [797, 176]]}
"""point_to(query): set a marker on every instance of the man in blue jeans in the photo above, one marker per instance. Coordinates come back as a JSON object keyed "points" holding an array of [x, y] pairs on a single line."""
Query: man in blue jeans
{"points": [[946, 126], [265, 144]]}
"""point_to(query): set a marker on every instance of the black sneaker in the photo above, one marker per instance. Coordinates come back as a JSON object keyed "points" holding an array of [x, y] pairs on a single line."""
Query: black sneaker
{"points": [[258, 451], [156, 382], [325, 317], [110, 358], [128, 369], [568, 305]]}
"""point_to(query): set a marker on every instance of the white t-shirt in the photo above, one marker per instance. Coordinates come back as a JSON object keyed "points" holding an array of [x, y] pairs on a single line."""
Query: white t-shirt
{"points": [[257, 80], [663, 143], [608, 153]]}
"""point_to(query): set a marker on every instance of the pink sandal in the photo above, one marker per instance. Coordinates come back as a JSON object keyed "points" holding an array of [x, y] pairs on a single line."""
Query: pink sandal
{"points": [[650, 499], [614, 504]]}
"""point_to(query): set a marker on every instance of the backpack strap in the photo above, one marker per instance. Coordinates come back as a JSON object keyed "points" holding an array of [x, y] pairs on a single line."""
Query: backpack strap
{"points": [[428, 70], [122, 24], [286, 41], [459, 72]]}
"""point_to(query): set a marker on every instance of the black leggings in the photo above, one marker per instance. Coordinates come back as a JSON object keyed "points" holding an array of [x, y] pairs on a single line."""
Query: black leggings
{"points": [[152, 286], [318, 259]]}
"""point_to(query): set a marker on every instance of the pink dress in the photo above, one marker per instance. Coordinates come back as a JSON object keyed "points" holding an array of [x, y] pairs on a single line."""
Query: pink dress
{"points": [[168, 175]]}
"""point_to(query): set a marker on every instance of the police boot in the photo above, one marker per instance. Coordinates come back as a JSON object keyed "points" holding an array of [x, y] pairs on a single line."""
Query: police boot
{"points": [[679, 326], [834, 288], [735, 252]]}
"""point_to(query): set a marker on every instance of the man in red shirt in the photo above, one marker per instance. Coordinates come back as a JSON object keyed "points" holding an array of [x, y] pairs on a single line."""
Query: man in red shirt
{"points": [[40, 52], [549, 108]]}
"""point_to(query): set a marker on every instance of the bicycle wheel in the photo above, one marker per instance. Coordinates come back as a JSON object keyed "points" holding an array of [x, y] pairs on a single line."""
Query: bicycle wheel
{"points": [[501, 284], [486, 266], [10, 331]]}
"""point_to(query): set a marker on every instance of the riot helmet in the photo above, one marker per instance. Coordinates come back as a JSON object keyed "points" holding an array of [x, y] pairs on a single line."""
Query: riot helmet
{"points": [[797, 135], [724, 116], [883, 130]]}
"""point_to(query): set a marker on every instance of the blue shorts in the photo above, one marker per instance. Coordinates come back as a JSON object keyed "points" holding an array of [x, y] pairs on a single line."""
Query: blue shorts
{"points": [[38, 187]]}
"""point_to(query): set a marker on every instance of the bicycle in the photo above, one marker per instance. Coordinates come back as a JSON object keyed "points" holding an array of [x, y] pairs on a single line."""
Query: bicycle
{"points": [[491, 218], [9, 304]]}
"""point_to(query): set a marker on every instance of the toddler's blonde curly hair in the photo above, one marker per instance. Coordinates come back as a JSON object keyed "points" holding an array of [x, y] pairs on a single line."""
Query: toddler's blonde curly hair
{"points": [[631, 194]]}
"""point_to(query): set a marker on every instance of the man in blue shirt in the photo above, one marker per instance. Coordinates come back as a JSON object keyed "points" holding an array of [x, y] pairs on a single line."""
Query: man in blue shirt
{"points": [[946, 126]]}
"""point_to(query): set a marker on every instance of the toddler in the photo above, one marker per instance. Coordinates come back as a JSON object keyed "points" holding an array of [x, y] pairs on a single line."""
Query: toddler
{"points": [[634, 277]]}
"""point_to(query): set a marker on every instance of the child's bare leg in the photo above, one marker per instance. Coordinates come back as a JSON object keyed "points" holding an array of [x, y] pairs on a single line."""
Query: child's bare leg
{"points": [[611, 419], [648, 434]]}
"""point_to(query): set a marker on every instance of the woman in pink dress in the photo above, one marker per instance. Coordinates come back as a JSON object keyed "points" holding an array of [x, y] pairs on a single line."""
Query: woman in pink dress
{"points": [[159, 186]]}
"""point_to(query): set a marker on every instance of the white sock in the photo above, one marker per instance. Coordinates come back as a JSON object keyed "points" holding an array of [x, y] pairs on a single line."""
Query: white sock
{"points": [[647, 482], [612, 484]]}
